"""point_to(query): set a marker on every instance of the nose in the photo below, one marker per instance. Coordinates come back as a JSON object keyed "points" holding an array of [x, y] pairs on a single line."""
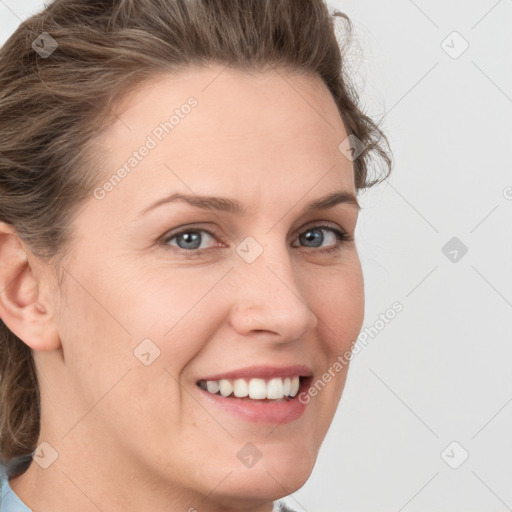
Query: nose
{"points": [[268, 299]]}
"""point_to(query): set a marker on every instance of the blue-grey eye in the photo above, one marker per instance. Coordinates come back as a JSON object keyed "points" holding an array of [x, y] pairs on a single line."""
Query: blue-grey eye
{"points": [[315, 236], [189, 240]]}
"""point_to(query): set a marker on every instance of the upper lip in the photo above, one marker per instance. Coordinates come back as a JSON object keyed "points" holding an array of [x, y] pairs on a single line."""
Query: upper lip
{"points": [[263, 372]]}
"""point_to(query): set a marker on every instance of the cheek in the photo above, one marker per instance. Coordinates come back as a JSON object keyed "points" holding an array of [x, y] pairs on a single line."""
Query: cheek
{"points": [[106, 317], [339, 304], [178, 309], [96, 337], [338, 301]]}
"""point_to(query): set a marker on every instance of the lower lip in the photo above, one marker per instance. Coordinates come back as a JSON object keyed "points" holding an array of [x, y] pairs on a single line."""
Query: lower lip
{"points": [[260, 411]]}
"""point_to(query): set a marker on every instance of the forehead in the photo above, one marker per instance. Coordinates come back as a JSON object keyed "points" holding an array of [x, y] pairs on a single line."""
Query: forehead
{"points": [[233, 96], [218, 129]]}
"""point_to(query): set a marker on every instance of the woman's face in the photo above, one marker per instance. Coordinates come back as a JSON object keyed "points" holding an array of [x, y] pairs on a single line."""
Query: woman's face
{"points": [[250, 292]]}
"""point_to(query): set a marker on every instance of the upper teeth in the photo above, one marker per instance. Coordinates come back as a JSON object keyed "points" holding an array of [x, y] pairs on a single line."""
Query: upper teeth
{"points": [[256, 388]]}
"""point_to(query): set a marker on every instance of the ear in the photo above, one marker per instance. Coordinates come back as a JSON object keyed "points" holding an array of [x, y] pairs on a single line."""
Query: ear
{"points": [[24, 309]]}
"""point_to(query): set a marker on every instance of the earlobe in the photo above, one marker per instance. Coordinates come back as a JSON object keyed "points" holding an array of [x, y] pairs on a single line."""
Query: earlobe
{"points": [[21, 306]]}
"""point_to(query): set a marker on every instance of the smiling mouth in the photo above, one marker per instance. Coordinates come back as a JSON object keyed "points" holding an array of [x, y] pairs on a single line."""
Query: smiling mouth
{"points": [[274, 389]]}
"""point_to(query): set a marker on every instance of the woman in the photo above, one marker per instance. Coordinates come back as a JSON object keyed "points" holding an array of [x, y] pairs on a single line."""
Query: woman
{"points": [[178, 265]]}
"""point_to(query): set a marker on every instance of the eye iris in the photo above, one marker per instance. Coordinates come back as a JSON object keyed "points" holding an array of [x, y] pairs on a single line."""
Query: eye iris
{"points": [[308, 236], [190, 237]]}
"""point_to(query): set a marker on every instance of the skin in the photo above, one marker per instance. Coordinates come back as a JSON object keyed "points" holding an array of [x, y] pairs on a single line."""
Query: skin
{"points": [[133, 437]]}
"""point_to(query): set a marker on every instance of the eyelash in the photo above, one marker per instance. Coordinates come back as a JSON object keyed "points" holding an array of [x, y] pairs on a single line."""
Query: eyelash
{"points": [[341, 236]]}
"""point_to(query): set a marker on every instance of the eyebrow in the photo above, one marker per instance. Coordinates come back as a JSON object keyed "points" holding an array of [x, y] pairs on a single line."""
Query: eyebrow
{"points": [[224, 204]]}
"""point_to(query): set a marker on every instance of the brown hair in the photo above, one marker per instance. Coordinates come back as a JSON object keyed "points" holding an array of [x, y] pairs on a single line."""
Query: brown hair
{"points": [[52, 106]]}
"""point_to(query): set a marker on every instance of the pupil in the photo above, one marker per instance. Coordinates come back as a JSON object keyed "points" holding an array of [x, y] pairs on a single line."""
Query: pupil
{"points": [[190, 238], [318, 236]]}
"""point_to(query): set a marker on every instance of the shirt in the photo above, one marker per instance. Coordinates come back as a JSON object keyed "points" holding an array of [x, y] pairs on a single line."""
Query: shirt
{"points": [[10, 502]]}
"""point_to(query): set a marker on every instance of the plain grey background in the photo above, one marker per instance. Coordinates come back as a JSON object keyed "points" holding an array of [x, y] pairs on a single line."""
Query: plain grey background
{"points": [[425, 419]]}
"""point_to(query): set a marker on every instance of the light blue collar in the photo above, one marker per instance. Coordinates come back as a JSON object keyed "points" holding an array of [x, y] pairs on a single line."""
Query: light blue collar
{"points": [[9, 500]]}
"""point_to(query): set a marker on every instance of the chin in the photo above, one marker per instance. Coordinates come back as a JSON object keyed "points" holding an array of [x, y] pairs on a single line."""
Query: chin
{"points": [[280, 471], [260, 487]]}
